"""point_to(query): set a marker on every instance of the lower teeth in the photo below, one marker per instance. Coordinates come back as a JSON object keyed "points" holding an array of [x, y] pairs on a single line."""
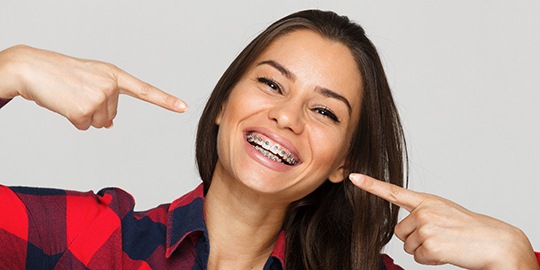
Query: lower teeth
{"points": [[268, 154]]}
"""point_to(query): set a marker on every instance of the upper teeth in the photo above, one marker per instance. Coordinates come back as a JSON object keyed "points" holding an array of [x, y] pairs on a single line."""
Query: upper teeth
{"points": [[274, 152]]}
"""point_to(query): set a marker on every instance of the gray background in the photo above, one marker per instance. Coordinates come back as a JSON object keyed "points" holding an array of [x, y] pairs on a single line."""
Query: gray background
{"points": [[464, 73]]}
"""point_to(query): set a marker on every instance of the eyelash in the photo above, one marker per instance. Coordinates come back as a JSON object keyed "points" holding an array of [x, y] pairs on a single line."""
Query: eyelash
{"points": [[323, 111], [270, 83]]}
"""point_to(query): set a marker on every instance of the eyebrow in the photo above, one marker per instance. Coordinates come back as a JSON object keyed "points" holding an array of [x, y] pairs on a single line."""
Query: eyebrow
{"points": [[331, 94], [321, 90], [285, 72]]}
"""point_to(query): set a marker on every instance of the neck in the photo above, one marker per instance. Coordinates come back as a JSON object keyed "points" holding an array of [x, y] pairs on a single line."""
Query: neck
{"points": [[242, 225]]}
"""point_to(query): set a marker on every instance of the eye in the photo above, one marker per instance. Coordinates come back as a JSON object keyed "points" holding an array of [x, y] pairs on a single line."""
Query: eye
{"points": [[270, 83], [326, 113]]}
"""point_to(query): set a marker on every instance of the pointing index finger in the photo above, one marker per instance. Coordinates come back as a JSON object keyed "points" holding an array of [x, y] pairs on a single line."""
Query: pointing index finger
{"points": [[136, 88], [399, 196]]}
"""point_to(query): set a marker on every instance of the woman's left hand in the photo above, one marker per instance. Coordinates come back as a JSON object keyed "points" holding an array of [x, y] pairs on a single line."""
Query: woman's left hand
{"points": [[438, 231]]}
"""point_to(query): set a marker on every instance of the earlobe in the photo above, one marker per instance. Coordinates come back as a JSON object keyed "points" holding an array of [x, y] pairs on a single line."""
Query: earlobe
{"points": [[217, 121], [338, 175]]}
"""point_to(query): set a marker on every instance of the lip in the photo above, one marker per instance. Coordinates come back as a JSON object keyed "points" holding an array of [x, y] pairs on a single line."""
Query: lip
{"points": [[276, 138]]}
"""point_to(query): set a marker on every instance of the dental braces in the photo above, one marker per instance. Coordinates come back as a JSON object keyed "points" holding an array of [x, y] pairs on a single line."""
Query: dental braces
{"points": [[272, 152]]}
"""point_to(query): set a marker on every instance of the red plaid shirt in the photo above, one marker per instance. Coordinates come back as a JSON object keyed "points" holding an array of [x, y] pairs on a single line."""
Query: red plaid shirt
{"points": [[56, 229], [3, 102], [47, 228]]}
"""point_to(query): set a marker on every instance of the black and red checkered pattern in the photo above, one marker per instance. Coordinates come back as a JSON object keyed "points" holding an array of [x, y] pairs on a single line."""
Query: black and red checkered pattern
{"points": [[56, 229]]}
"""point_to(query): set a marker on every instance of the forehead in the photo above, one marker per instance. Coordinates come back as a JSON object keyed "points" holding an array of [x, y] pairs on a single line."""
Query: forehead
{"points": [[318, 61]]}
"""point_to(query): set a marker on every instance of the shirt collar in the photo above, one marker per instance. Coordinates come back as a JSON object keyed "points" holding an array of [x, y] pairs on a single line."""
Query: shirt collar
{"points": [[279, 248], [185, 219], [185, 222]]}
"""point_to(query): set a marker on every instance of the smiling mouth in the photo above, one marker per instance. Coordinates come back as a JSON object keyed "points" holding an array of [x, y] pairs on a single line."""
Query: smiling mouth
{"points": [[272, 150]]}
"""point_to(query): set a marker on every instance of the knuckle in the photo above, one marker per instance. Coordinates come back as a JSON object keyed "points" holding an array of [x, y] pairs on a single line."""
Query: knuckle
{"points": [[112, 114], [112, 68], [425, 232], [169, 100], [98, 124], [394, 193], [19, 47], [92, 96], [424, 257], [424, 216], [105, 66], [145, 89], [408, 248], [431, 250], [108, 87], [81, 114], [400, 231], [85, 111], [81, 125], [99, 98], [400, 235], [421, 258], [108, 76], [398, 228], [368, 182]]}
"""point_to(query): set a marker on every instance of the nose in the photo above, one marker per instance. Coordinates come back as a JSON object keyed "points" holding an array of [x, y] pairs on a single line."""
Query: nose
{"points": [[288, 115]]}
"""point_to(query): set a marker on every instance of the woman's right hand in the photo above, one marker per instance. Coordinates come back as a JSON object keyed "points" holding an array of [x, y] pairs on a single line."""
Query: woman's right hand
{"points": [[84, 91]]}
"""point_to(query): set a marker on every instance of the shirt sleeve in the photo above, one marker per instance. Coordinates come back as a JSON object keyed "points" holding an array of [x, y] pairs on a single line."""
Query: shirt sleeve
{"points": [[41, 228], [538, 257], [389, 264], [13, 230], [3, 102]]}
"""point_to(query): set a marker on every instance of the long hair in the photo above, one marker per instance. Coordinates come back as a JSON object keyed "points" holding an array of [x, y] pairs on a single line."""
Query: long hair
{"points": [[337, 226]]}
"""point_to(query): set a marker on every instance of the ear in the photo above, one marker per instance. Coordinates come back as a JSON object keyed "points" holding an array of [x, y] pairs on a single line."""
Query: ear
{"points": [[219, 116], [337, 175]]}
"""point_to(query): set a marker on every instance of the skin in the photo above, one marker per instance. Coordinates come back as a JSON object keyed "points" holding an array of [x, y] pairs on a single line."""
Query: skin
{"points": [[438, 231], [248, 197], [86, 93]]}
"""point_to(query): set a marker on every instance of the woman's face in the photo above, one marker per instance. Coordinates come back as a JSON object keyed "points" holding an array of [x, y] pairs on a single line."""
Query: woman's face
{"points": [[287, 123]]}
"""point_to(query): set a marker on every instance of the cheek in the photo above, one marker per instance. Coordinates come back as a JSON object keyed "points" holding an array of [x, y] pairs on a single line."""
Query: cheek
{"points": [[230, 110], [328, 147], [221, 142]]}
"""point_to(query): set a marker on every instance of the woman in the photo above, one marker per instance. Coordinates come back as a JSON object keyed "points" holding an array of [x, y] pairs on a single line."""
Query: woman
{"points": [[304, 105]]}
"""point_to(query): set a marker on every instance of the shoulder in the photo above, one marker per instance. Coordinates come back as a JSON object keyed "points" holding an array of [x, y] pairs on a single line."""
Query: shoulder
{"points": [[72, 205], [388, 263], [60, 222], [117, 199]]}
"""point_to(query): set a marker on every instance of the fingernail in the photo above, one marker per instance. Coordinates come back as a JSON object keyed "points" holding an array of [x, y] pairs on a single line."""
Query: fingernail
{"points": [[180, 105], [356, 178]]}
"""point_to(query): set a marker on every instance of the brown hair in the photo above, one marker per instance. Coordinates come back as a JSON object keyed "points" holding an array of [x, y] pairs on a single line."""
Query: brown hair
{"points": [[337, 226]]}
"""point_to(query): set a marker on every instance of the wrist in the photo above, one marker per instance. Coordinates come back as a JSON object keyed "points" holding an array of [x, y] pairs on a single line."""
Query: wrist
{"points": [[525, 257], [11, 71], [510, 249]]}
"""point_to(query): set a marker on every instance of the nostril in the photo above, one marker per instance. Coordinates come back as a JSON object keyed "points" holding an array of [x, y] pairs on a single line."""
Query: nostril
{"points": [[288, 120]]}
